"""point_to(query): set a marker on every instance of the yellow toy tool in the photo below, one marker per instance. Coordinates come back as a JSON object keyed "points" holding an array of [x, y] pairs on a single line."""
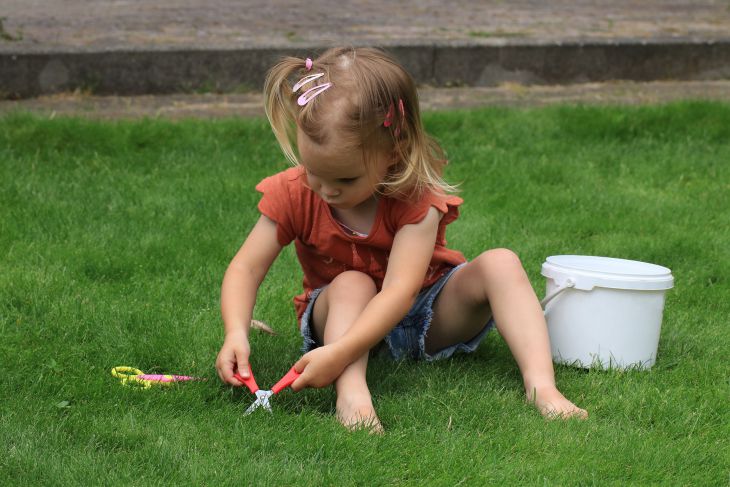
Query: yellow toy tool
{"points": [[135, 377]]}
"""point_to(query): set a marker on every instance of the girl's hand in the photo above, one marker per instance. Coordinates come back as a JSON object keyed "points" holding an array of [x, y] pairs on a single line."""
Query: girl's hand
{"points": [[233, 358], [320, 367]]}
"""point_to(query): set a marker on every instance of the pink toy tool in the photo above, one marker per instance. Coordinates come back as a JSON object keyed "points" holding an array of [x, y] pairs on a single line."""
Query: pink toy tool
{"points": [[263, 397], [133, 376]]}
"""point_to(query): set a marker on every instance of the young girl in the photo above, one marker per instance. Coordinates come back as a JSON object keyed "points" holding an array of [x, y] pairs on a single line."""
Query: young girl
{"points": [[367, 210]]}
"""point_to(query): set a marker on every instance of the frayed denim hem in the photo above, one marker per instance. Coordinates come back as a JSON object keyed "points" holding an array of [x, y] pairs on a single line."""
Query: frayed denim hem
{"points": [[309, 342], [408, 338]]}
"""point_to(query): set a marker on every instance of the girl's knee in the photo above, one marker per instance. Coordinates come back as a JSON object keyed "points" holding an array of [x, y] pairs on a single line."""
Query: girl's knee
{"points": [[351, 284], [501, 263]]}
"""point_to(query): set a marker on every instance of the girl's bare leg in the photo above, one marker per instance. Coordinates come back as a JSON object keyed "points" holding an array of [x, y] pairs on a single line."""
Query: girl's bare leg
{"points": [[496, 283], [335, 310]]}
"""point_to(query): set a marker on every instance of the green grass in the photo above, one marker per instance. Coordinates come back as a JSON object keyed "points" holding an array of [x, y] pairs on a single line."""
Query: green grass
{"points": [[114, 238]]}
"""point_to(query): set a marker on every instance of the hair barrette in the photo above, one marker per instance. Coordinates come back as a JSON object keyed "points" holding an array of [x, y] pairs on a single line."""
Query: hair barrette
{"points": [[391, 113], [308, 64], [311, 93], [389, 117], [307, 79], [402, 110]]}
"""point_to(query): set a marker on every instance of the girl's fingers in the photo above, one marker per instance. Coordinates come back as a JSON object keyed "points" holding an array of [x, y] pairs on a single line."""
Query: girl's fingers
{"points": [[233, 381], [244, 369], [301, 364], [300, 367]]}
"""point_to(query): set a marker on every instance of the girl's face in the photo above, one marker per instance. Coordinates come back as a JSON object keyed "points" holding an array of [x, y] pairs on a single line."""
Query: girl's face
{"points": [[339, 177]]}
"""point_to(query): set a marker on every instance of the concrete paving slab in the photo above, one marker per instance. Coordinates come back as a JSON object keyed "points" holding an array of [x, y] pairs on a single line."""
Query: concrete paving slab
{"points": [[63, 25], [170, 46]]}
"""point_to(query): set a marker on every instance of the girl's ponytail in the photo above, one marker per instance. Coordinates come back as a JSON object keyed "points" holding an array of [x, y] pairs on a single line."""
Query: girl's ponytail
{"points": [[278, 104]]}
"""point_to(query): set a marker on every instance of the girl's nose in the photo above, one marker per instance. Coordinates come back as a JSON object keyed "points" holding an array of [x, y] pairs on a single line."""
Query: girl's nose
{"points": [[329, 191]]}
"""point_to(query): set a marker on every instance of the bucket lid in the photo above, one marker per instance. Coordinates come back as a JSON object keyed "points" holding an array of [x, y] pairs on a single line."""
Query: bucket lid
{"points": [[588, 272]]}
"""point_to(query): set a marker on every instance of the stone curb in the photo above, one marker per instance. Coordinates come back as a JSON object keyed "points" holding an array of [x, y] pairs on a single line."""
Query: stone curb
{"points": [[136, 72]]}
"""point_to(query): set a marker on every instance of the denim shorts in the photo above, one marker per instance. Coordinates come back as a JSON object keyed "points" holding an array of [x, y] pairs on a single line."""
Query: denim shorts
{"points": [[408, 338]]}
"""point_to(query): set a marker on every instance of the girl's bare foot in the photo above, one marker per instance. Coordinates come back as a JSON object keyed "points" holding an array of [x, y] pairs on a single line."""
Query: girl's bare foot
{"points": [[552, 404], [359, 413]]}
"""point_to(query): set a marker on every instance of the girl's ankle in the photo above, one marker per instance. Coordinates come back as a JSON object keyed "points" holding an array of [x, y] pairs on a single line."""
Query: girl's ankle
{"points": [[534, 388]]}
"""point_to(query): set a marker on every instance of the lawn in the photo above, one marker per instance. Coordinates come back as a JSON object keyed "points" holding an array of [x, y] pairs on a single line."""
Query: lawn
{"points": [[114, 237]]}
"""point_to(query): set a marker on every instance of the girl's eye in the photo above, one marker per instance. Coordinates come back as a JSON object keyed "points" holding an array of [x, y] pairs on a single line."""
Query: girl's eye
{"points": [[347, 180]]}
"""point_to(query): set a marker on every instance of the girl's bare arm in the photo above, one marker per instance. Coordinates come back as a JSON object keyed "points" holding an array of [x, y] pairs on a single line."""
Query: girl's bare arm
{"points": [[238, 296]]}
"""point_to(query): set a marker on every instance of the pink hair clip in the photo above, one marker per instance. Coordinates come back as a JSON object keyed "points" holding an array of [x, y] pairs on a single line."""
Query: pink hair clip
{"points": [[389, 116], [311, 93], [308, 64], [307, 79]]}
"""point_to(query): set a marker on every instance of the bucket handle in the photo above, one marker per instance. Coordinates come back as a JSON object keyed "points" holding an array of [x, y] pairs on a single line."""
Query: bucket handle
{"points": [[567, 284]]}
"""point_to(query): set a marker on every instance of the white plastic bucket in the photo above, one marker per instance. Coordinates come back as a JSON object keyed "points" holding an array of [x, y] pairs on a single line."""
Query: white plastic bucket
{"points": [[603, 312]]}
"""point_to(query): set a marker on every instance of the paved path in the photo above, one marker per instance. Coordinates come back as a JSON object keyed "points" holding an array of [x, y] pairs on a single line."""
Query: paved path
{"points": [[506, 49], [62, 25]]}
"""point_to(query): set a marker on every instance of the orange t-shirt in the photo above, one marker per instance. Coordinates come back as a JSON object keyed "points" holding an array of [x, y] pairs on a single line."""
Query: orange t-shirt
{"points": [[325, 249]]}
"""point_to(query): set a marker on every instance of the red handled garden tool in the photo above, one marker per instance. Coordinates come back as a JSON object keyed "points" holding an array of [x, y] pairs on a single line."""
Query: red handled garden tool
{"points": [[262, 397]]}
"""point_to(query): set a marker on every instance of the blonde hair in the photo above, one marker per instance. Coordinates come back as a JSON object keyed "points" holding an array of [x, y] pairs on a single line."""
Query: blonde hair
{"points": [[367, 86]]}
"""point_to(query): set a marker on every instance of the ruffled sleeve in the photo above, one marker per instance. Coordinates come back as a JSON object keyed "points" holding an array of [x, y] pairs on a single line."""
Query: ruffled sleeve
{"points": [[276, 204], [405, 213]]}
